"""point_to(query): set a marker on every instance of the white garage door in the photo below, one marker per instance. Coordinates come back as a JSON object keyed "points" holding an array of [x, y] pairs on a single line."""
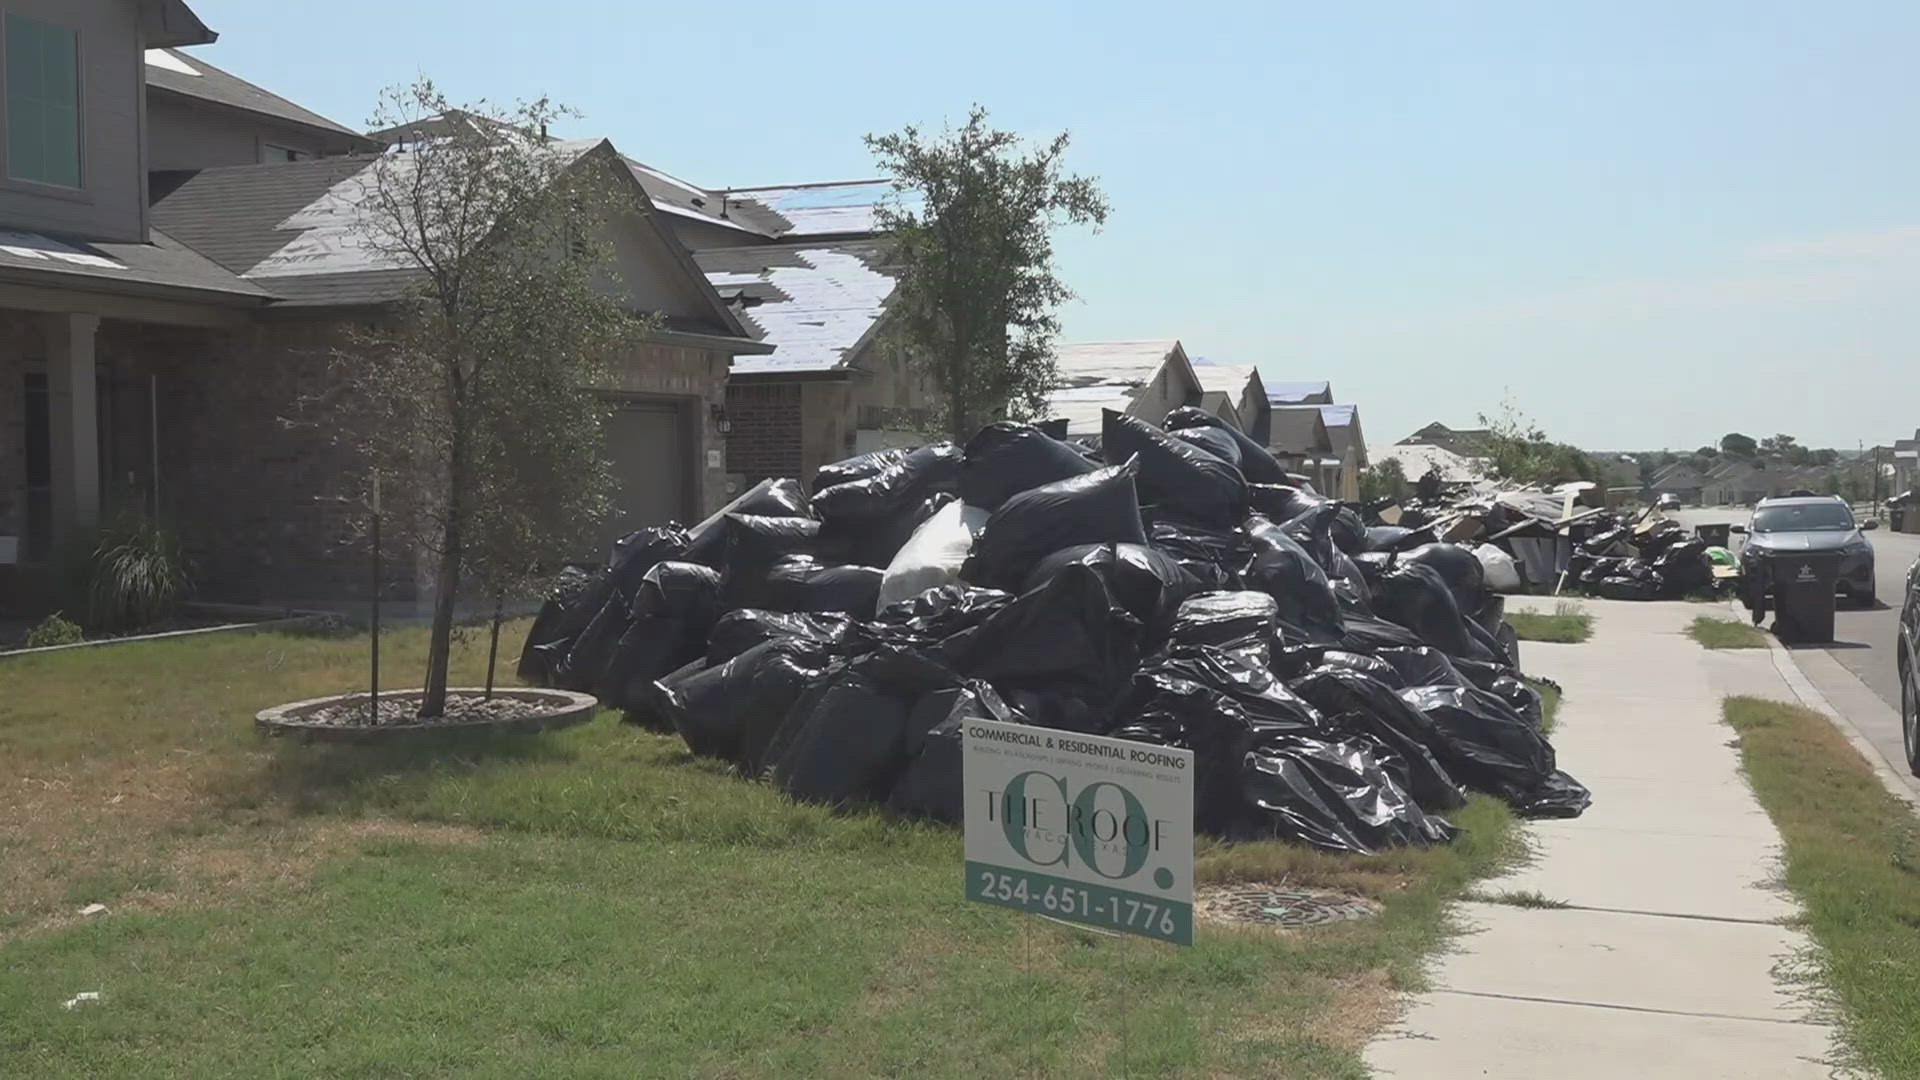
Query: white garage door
{"points": [[647, 443]]}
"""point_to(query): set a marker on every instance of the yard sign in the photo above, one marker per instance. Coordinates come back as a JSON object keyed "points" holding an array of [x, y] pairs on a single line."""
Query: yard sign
{"points": [[1085, 829]]}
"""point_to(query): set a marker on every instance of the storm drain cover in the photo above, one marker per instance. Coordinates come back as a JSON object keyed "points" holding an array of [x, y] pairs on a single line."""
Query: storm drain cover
{"points": [[1285, 907]]}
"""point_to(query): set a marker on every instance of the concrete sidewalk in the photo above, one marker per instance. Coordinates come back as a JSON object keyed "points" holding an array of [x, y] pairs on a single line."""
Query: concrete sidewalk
{"points": [[1669, 961]]}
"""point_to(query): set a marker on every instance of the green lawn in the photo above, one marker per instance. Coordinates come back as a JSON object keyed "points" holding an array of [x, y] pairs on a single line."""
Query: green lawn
{"points": [[1715, 633], [590, 902], [1568, 625], [1853, 859]]}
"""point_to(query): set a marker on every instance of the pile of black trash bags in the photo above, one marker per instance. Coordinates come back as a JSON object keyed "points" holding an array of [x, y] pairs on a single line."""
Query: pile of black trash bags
{"points": [[1619, 562], [1171, 588]]}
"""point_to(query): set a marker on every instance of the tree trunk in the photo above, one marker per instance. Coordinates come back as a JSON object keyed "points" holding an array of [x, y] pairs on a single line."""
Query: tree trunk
{"points": [[446, 583]]}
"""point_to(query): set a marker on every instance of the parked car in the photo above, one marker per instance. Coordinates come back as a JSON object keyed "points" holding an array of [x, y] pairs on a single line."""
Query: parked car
{"points": [[1668, 501], [1811, 523], [1909, 693]]}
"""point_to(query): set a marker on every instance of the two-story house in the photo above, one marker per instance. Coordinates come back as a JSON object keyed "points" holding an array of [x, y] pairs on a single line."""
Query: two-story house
{"points": [[173, 285]]}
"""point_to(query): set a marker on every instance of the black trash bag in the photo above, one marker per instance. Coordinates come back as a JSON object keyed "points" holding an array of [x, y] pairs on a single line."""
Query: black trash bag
{"points": [[1421, 665], [1004, 459], [1215, 557], [1415, 596], [1601, 568], [1373, 565], [743, 628], [1480, 673], [1350, 585], [1371, 666], [1254, 460], [1219, 706], [1335, 796], [555, 624], [1100, 507], [775, 498], [1349, 535], [1458, 567], [892, 490], [859, 467], [1396, 538], [1239, 622], [1281, 501], [1487, 745], [1522, 696], [587, 658], [731, 710], [1284, 570], [1355, 703], [848, 744], [1216, 441], [1683, 568], [930, 786], [682, 590], [1370, 634], [755, 543], [1146, 583], [639, 552], [800, 583], [941, 612], [1179, 478], [652, 647], [1559, 796], [1313, 530], [1060, 654], [1625, 588]]}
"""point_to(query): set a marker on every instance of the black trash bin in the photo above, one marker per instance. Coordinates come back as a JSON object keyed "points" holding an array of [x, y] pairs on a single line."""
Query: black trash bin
{"points": [[1803, 594], [1720, 535]]}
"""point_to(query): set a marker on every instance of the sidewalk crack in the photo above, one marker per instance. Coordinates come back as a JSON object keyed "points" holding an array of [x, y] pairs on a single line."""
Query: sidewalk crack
{"points": [[1628, 1008]]}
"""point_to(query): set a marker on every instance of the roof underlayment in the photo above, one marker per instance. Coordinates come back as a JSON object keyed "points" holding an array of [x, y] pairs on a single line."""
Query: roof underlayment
{"points": [[812, 304]]}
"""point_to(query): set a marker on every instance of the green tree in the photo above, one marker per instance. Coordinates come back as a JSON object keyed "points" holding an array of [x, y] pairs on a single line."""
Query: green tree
{"points": [[972, 225], [475, 393], [1734, 444], [1517, 449], [1385, 480]]}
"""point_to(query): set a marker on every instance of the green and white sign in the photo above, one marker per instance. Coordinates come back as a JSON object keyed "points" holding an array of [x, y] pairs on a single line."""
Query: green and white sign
{"points": [[1082, 828]]}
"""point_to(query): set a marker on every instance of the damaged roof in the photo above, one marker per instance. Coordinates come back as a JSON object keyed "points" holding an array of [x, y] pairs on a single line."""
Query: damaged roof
{"points": [[814, 305], [175, 72], [1108, 375], [1300, 430], [834, 208], [1229, 379]]}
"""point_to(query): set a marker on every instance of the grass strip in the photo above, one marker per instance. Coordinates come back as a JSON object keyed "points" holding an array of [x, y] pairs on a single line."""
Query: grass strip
{"points": [[1569, 624], [1714, 633], [1853, 860]]}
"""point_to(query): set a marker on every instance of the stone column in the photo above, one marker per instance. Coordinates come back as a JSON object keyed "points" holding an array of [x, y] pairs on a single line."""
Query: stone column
{"points": [[74, 428]]}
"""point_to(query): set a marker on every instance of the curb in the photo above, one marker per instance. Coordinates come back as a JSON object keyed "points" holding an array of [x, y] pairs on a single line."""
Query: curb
{"points": [[1811, 697]]}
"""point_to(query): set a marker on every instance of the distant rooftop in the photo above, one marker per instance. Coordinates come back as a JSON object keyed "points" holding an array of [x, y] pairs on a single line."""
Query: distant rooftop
{"points": [[1299, 393]]}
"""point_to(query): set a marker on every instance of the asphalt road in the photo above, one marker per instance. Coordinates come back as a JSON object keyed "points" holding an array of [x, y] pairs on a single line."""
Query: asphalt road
{"points": [[1864, 639]]}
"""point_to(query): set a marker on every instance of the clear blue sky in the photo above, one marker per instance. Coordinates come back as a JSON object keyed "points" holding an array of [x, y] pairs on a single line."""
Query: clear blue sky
{"points": [[1649, 223]]}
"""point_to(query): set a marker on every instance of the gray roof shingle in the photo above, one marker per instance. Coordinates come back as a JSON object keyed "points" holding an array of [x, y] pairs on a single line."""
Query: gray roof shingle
{"points": [[163, 263], [224, 88]]}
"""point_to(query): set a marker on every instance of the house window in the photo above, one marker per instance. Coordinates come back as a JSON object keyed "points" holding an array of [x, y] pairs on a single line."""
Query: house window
{"points": [[43, 102], [271, 154]]}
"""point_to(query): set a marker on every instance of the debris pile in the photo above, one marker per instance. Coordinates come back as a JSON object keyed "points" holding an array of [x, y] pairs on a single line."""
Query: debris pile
{"points": [[1339, 686]]}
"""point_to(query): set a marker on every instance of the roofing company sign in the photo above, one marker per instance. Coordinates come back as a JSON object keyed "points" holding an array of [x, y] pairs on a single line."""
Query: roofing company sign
{"points": [[1080, 828]]}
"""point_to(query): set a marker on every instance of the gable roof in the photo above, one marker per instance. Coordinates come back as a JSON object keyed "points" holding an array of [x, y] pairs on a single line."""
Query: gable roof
{"points": [[1300, 393], [1109, 375], [174, 72], [172, 22], [1343, 430], [816, 305], [294, 229], [1228, 379], [1299, 430]]}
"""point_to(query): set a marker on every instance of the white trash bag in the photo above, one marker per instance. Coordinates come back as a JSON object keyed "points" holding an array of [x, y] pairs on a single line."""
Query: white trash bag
{"points": [[931, 557], [1502, 573]]}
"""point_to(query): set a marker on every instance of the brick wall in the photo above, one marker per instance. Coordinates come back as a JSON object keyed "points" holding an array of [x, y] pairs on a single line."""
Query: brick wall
{"points": [[766, 436]]}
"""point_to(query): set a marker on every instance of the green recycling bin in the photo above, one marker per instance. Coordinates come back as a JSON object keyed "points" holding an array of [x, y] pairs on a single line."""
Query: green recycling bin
{"points": [[1802, 586]]}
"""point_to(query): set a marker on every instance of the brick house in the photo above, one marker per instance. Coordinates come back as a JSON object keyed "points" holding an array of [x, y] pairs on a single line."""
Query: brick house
{"points": [[160, 323]]}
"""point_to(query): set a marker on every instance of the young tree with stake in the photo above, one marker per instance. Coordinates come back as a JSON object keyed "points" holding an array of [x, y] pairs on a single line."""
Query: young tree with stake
{"points": [[973, 225], [474, 395]]}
